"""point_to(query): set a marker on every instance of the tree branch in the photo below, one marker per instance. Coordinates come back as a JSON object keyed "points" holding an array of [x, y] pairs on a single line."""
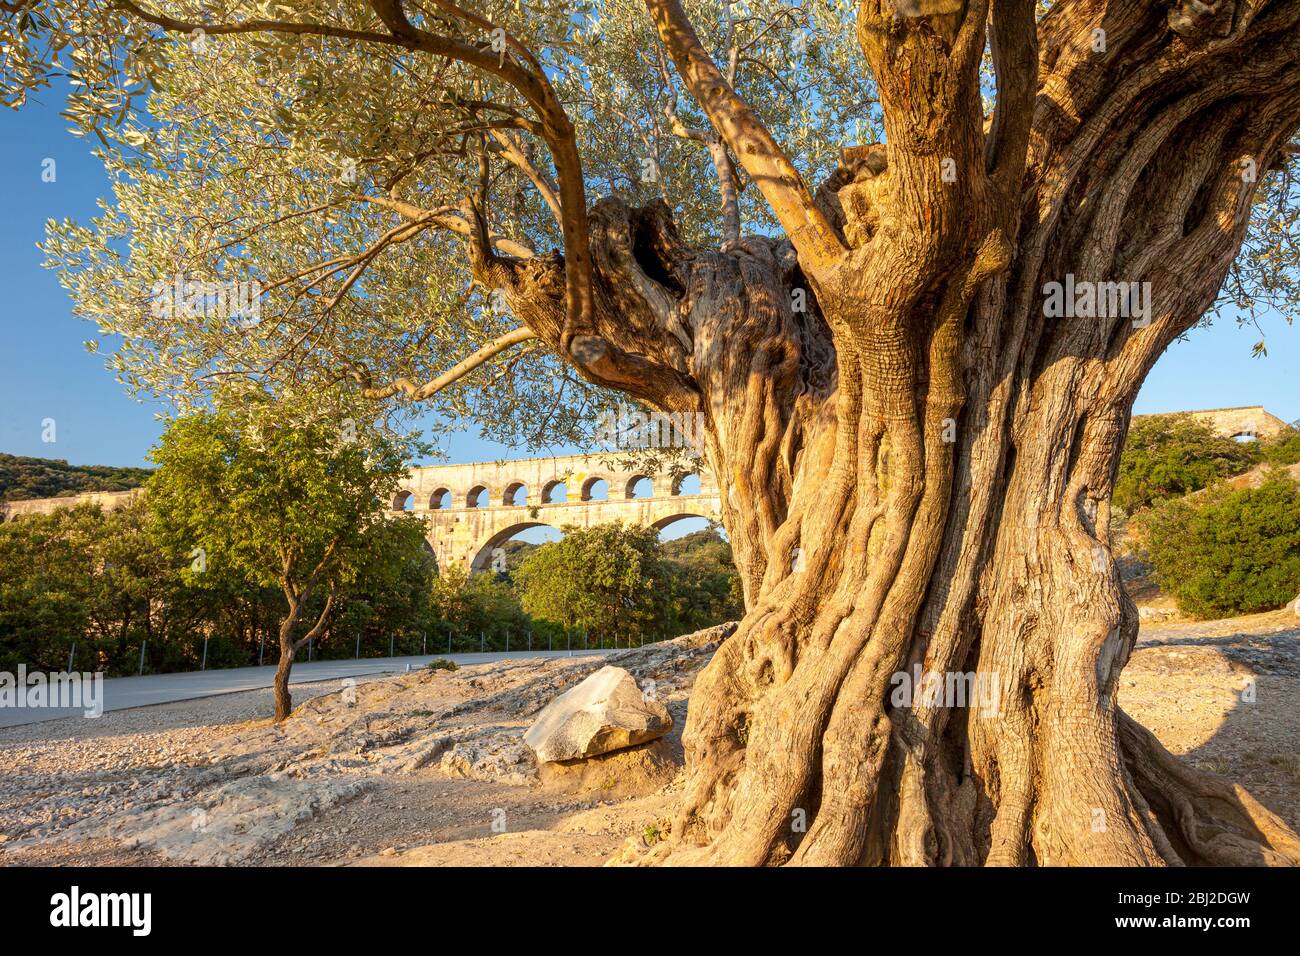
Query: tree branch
{"points": [[514, 155], [320, 622], [450, 221], [454, 374], [815, 240]]}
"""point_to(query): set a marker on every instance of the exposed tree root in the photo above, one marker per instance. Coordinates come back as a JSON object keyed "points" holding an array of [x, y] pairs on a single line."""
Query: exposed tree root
{"points": [[1208, 819]]}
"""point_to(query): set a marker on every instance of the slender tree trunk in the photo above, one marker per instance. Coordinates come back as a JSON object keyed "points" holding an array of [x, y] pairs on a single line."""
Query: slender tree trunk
{"points": [[289, 647], [288, 650]]}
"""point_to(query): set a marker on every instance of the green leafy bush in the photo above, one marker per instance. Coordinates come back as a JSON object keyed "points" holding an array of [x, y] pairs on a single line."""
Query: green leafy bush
{"points": [[1282, 449], [1167, 456], [1228, 551]]}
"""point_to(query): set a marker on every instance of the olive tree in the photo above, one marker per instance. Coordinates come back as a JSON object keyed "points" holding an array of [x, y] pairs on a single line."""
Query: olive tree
{"points": [[909, 261], [260, 496]]}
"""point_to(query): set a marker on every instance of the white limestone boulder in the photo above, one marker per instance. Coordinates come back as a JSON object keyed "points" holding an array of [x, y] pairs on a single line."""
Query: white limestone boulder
{"points": [[605, 712]]}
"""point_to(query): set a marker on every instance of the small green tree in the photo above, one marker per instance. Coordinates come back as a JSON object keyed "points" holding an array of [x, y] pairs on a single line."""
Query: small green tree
{"points": [[1166, 456], [1228, 551], [389, 597], [708, 586], [610, 581], [478, 606], [277, 498], [45, 598]]}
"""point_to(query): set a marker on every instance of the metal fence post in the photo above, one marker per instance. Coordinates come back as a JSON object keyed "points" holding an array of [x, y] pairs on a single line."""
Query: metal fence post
{"points": [[142, 646], [357, 654], [204, 665], [72, 654], [482, 642], [390, 645], [261, 646]]}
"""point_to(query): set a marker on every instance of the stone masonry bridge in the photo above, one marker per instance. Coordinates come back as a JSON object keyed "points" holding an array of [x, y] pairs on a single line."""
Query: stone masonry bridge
{"points": [[471, 510]]}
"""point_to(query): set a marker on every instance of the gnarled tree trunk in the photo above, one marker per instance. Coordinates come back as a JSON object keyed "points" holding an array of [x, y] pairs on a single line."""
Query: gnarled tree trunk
{"points": [[915, 435], [916, 454]]}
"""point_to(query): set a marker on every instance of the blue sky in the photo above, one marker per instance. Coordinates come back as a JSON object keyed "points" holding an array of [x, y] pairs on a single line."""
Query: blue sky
{"points": [[46, 373]]}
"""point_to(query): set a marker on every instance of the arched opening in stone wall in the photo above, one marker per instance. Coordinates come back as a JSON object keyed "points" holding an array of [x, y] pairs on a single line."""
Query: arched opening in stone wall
{"points": [[404, 501], [679, 526], [640, 486], [516, 493], [503, 551], [687, 484], [595, 488], [554, 493], [440, 499], [477, 497]]}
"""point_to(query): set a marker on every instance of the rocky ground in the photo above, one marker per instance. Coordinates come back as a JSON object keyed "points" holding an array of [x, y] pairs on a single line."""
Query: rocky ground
{"points": [[429, 768]]}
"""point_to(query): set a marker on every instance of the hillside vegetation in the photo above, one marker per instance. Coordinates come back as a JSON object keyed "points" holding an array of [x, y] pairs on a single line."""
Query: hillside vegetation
{"points": [[22, 478]]}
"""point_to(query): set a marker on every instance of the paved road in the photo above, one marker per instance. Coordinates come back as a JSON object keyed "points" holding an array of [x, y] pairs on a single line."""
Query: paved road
{"points": [[123, 692]]}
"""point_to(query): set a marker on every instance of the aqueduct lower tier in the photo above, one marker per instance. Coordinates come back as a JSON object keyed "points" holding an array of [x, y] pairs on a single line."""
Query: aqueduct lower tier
{"points": [[470, 510]]}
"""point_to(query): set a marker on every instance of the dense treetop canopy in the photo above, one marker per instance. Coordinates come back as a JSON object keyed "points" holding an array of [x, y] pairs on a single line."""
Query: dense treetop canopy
{"points": [[300, 147], [337, 173]]}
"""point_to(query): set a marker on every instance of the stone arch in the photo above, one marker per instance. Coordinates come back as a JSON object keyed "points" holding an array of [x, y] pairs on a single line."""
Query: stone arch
{"points": [[404, 500], [473, 495], [629, 488], [512, 492], [589, 485], [665, 521], [441, 500], [482, 559], [549, 489], [681, 480]]}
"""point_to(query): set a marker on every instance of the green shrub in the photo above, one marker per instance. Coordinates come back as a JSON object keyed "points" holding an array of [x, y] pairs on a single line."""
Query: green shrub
{"points": [[1228, 551], [1167, 456], [1282, 449]]}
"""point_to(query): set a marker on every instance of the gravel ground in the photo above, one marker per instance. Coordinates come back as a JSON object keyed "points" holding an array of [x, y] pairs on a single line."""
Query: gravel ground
{"points": [[428, 768]]}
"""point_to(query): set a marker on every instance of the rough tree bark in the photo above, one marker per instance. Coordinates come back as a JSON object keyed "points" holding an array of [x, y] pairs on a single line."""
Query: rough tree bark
{"points": [[916, 462], [289, 648]]}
